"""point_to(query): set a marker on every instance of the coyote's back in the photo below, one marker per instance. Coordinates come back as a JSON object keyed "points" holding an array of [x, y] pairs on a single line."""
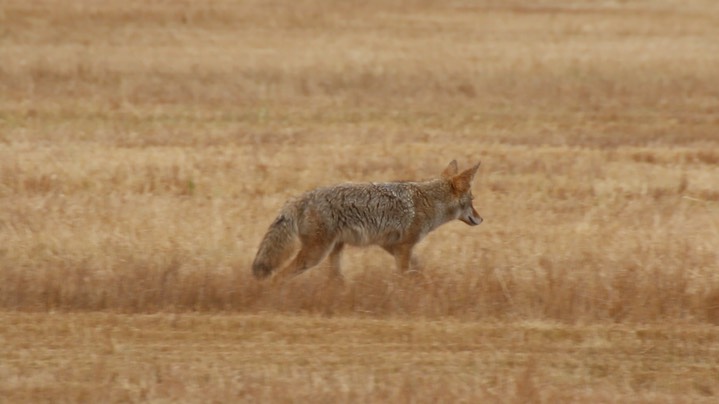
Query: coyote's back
{"points": [[361, 214], [393, 215]]}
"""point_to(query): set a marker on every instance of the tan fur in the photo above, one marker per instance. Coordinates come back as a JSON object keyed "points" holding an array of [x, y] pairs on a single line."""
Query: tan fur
{"points": [[393, 215]]}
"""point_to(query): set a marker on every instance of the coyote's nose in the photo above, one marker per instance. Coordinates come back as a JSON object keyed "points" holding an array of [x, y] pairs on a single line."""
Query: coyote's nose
{"points": [[474, 220]]}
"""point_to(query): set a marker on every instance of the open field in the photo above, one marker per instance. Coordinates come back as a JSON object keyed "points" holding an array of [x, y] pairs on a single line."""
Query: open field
{"points": [[146, 146], [100, 357]]}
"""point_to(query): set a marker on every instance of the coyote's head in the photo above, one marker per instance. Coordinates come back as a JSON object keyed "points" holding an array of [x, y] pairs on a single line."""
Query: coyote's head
{"points": [[460, 205]]}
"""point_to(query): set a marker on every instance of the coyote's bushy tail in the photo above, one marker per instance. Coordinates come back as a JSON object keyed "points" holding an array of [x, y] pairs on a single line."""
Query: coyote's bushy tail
{"points": [[276, 246]]}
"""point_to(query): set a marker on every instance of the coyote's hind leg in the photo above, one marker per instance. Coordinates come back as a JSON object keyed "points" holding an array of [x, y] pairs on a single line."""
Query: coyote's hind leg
{"points": [[310, 254], [334, 258]]}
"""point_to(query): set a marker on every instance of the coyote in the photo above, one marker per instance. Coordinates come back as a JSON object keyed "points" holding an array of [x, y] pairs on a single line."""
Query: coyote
{"points": [[393, 215]]}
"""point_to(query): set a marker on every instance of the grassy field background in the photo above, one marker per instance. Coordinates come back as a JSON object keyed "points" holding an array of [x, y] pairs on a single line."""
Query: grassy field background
{"points": [[146, 146]]}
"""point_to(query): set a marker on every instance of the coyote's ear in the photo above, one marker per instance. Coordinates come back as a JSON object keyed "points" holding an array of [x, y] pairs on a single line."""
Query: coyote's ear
{"points": [[451, 170], [463, 181]]}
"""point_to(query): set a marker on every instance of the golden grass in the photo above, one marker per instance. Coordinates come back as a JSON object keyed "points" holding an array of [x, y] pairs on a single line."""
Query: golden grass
{"points": [[146, 146], [229, 357]]}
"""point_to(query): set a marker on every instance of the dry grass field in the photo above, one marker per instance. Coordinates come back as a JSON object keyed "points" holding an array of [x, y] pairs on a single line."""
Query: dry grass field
{"points": [[145, 146]]}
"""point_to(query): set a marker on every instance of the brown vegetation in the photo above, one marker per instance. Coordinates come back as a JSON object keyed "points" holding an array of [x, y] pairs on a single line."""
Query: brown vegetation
{"points": [[146, 146], [105, 357]]}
